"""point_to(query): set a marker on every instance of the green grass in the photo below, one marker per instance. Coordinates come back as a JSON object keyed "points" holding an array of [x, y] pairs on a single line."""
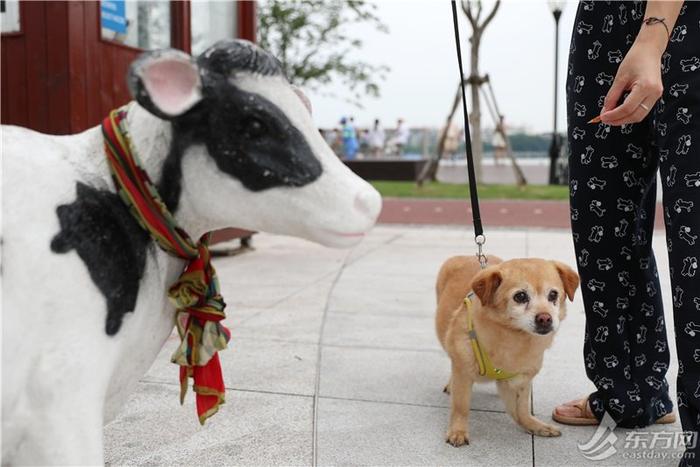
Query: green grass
{"points": [[448, 190]]}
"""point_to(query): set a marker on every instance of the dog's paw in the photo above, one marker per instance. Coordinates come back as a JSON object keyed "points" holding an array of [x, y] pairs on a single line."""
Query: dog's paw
{"points": [[545, 430], [457, 438]]}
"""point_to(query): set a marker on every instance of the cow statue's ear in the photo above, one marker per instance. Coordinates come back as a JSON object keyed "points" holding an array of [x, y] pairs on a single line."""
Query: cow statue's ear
{"points": [[165, 82]]}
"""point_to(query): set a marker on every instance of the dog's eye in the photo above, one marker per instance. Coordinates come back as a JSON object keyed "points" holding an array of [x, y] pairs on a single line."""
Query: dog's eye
{"points": [[521, 297], [553, 296]]}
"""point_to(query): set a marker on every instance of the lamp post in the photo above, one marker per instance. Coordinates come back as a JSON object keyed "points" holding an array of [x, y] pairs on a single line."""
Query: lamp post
{"points": [[556, 6]]}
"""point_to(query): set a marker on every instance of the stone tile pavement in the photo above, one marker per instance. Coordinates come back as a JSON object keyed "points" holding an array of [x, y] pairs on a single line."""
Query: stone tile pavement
{"points": [[334, 361]]}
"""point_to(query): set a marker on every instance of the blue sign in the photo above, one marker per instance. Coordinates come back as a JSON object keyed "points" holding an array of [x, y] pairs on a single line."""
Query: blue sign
{"points": [[113, 13]]}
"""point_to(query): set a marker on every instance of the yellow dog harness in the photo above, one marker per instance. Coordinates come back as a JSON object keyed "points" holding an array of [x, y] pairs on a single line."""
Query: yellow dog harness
{"points": [[486, 368]]}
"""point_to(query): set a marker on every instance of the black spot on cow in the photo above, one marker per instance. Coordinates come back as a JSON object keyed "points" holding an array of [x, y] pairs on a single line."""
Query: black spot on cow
{"points": [[248, 136], [111, 243], [170, 184]]}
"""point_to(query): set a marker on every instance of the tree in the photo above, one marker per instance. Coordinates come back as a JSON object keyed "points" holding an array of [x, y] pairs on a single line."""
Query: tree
{"points": [[310, 40], [430, 169], [473, 10]]}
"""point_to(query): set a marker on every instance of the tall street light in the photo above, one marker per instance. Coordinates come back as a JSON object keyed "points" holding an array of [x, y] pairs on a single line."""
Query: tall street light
{"points": [[556, 6]]}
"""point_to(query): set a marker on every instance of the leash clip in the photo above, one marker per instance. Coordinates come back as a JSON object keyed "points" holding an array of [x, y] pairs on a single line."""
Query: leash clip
{"points": [[480, 241]]}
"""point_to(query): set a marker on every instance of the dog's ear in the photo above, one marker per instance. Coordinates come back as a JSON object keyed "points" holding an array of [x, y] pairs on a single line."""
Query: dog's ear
{"points": [[485, 284], [568, 277]]}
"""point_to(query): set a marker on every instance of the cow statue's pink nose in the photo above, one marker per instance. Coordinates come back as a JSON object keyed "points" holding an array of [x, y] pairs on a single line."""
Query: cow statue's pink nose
{"points": [[368, 202]]}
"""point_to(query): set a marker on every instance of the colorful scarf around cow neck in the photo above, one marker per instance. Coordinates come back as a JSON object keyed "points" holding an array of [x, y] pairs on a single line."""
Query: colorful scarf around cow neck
{"points": [[200, 307]]}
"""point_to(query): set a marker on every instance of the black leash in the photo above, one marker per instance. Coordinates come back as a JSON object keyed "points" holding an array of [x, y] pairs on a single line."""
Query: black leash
{"points": [[479, 236]]}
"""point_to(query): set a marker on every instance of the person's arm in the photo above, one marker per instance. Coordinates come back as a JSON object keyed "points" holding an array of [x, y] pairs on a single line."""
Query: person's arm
{"points": [[640, 71]]}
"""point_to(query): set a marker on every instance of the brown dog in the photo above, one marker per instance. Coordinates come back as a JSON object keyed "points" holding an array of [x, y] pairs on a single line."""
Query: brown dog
{"points": [[515, 311]]}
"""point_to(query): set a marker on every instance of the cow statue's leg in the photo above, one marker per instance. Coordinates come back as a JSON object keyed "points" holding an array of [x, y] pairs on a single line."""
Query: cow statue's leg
{"points": [[68, 434], [56, 417]]}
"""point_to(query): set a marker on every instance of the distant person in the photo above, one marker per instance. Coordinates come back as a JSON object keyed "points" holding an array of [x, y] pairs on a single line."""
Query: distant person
{"points": [[376, 139], [363, 138], [453, 136], [400, 139], [500, 145], [350, 145], [336, 142]]}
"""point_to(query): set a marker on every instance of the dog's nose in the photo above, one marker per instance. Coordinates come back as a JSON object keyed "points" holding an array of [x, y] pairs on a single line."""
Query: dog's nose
{"points": [[543, 320]]}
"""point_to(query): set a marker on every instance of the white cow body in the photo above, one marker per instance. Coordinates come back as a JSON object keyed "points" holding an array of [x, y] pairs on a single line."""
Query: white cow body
{"points": [[63, 376], [53, 314]]}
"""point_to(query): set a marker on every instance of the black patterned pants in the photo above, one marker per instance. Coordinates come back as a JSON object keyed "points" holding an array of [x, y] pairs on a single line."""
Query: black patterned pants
{"points": [[613, 196]]}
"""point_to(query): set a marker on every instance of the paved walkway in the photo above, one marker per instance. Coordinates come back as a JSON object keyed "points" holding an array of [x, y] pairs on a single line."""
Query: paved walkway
{"points": [[334, 361]]}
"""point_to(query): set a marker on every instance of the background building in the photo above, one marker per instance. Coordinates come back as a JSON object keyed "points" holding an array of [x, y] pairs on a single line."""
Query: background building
{"points": [[64, 63]]}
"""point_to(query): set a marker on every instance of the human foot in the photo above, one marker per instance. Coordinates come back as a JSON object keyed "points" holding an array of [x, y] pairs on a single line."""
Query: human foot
{"points": [[576, 412]]}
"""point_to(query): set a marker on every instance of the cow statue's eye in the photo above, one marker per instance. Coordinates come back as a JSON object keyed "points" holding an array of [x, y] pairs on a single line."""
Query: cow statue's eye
{"points": [[521, 297], [553, 296], [254, 128]]}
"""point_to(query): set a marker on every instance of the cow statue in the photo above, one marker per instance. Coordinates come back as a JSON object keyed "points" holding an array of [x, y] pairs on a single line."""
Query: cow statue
{"points": [[227, 141]]}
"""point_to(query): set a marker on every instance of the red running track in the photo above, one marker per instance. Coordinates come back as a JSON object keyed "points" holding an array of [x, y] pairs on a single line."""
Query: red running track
{"points": [[495, 213]]}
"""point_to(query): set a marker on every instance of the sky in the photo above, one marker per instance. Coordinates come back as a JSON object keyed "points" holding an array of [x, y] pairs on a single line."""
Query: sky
{"points": [[517, 52]]}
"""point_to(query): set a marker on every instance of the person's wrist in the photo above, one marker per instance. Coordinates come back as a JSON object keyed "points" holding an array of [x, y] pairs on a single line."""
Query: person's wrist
{"points": [[652, 38]]}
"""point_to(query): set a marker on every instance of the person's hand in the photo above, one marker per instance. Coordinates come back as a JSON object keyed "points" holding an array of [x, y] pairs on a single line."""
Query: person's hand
{"points": [[640, 74]]}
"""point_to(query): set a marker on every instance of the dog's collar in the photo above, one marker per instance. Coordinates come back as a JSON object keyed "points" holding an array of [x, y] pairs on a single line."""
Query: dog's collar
{"points": [[486, 368]]}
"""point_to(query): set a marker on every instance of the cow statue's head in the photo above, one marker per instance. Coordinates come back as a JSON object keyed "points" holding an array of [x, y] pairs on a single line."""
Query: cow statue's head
{"points": [[245, 150]]}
